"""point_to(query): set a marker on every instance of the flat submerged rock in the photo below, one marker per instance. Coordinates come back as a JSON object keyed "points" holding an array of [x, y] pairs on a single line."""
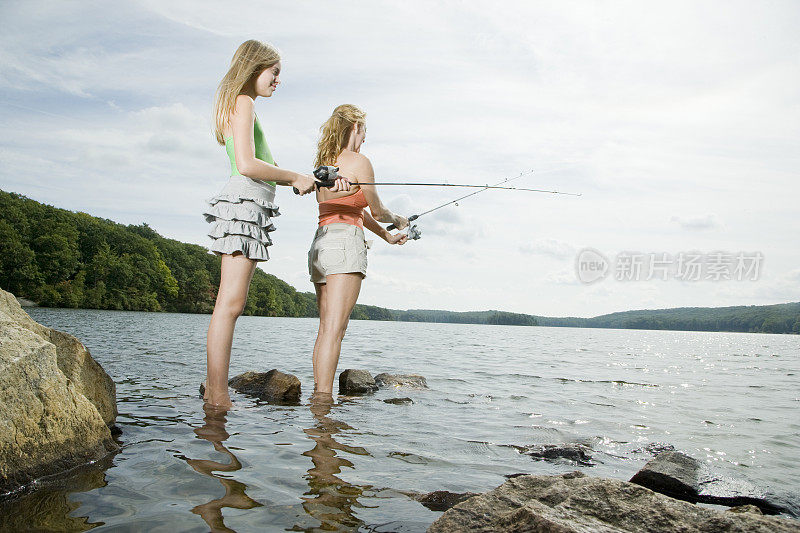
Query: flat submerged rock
{"points": [[680, 476], [576, 503]]}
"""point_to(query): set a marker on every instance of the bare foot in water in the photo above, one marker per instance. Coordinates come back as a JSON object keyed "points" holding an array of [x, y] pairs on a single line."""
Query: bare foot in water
{"points": [[321, 398], [217, 401], [220, 403]]}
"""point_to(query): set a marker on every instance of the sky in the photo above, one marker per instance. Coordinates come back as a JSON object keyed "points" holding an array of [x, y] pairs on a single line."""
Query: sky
{"points": [[678, 122]]}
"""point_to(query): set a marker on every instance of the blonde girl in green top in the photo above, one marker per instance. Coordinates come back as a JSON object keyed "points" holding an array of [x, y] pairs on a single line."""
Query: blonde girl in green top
{"points": [[241, 214]]}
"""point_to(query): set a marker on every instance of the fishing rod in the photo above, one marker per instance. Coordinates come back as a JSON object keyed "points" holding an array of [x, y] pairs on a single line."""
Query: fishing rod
{"points": [[414, 232], [326, 176]]}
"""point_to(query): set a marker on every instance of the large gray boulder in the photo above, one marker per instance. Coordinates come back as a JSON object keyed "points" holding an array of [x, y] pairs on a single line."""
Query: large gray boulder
{"points": [[575, 503], [77, 364], [57, 402]]}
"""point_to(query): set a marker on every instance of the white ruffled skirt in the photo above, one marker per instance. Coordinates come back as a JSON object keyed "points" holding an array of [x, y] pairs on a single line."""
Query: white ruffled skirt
{"points": [[241, 218]]}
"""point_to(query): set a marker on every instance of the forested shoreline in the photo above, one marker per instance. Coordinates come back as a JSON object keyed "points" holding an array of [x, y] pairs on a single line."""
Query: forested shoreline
{"points": [[777, 318], [59, 258]]}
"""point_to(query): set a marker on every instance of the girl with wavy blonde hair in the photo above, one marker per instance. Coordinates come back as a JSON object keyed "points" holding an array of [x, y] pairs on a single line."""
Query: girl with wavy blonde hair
{"points": [[241, 214], [337, 260]]}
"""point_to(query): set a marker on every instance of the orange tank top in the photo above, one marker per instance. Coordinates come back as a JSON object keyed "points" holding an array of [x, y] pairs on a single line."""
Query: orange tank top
{"points": [[347, 209]]}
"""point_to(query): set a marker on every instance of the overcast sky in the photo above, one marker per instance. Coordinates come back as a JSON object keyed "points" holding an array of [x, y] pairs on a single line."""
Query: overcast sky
{"points": [[679, 122]]}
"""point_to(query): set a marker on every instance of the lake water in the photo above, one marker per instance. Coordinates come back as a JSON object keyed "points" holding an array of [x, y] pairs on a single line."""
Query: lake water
{"points": [[730, 399]]}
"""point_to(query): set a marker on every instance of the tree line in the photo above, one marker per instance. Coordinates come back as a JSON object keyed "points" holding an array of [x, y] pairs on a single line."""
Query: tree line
{"points": [[778, 318], [59, 258]]}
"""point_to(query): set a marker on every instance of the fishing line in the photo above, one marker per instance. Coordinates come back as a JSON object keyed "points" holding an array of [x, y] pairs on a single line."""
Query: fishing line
{"points": [[413, 230], [45, 112]]}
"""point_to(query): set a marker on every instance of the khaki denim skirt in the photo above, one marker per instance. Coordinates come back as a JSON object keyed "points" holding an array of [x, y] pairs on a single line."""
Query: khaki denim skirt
{"points": [[337, 249]]}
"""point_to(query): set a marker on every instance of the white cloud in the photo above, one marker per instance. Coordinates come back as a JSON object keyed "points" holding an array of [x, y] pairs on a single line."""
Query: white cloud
{"points": [[564, 276], [549, 247], [650, 111], [696, 222]]}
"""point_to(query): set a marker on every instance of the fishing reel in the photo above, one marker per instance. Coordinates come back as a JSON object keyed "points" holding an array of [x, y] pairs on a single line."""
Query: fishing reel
{"points": [[414, 233], [325, 175]]}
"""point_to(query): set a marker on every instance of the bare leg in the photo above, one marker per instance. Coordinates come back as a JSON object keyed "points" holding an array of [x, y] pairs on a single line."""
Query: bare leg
{"points": [[339, 296], [321, 298], [234, 283]]}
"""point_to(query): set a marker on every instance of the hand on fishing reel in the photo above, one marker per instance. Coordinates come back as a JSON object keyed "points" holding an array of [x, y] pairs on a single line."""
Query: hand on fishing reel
{"points": [[413, 233], [397, 238], [329, 177]]}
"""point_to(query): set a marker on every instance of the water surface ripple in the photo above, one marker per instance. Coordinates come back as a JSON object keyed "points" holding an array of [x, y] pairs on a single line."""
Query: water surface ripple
{"points": [[730, 399]]}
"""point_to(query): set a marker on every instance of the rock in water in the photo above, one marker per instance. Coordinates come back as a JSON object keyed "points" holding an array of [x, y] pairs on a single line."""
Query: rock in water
{"points": [[680, 476], [442, 500], [672, 473], [272, 386], [573, 452], [57, 402], [412, 381], [576, 503], [398, 401], [353, 381]]}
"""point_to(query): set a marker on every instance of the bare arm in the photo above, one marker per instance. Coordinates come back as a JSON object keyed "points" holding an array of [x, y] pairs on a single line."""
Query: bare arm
{"points": [[372, 225], [366, 174], [244, 148]]}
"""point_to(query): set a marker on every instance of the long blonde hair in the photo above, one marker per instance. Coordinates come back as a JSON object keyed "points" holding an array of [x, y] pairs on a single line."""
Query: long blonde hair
{"points": [[250, 59], [335, 133]]}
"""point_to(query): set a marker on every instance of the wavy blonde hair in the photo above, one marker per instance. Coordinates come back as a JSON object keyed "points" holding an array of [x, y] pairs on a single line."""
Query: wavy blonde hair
{"points": [[335, 133], [250, 59]]}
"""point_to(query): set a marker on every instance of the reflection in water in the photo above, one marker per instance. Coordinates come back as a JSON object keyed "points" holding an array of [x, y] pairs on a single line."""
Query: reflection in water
{"points": [[330, 500], [50, 508], [213, 430]]}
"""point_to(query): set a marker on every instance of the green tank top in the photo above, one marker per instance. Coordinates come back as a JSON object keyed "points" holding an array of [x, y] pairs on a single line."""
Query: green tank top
{"points": [[262, 150]]}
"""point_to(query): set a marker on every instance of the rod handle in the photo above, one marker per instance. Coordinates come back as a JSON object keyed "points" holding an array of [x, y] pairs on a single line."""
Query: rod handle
{"points": [[318, 184], [412, 218]]}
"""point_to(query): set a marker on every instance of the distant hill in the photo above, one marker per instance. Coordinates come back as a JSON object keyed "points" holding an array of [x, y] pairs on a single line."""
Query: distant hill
{"points": [[60, 258], [778, 318]]}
